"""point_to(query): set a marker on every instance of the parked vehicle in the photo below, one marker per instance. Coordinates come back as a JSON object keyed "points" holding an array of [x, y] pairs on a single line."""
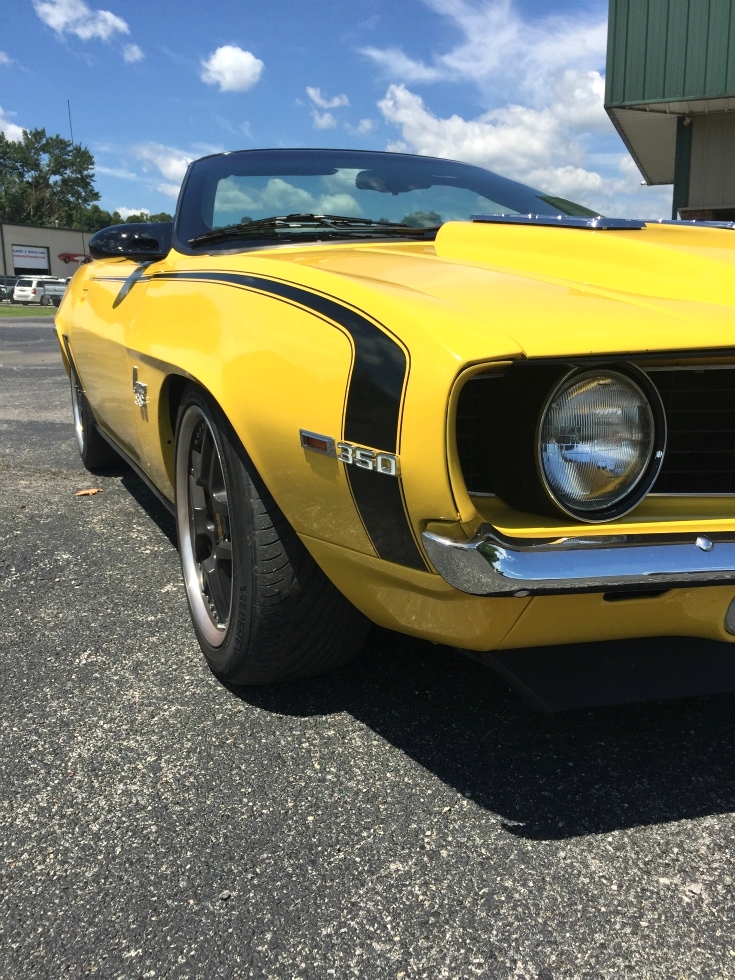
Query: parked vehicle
{"points": [[461, 408], [7, 285], [44, 290]]}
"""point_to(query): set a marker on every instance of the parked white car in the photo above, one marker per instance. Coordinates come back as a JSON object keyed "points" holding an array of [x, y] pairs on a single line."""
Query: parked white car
{"points": [[45, 290]]}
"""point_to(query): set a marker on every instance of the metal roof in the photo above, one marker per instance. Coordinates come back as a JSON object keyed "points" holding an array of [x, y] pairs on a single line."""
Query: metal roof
{"points": [[667, 58]]}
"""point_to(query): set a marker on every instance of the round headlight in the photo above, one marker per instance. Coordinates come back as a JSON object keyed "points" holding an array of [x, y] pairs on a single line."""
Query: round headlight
{"points": [[600, 444]]}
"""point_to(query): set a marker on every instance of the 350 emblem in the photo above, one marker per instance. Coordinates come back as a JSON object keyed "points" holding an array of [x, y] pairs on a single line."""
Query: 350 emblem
{"points": [[368, 459], [347, 452]]}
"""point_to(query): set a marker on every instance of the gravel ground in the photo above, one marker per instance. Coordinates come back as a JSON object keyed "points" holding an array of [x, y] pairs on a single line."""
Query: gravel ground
{"points": [[406, 816]]}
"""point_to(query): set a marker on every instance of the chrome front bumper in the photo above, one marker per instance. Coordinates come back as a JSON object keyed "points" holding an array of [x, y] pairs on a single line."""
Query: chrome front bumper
{"points": [[492, 565]]}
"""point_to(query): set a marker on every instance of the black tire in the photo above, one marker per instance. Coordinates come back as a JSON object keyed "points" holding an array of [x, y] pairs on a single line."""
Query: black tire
{"points": [[262, 609], [96, 452], [44, 300]]}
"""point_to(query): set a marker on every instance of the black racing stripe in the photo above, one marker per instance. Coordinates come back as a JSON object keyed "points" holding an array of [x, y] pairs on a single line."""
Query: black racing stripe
{"points": [[372, 413], [129, 283], [380, 502]]}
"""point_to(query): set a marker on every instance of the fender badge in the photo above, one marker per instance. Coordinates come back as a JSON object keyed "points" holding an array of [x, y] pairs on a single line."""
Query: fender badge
{"points": [[346, 452], [139, 390]]}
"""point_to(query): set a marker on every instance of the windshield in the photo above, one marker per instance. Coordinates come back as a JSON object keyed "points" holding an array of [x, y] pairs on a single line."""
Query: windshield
{"points": [[231, 189]]}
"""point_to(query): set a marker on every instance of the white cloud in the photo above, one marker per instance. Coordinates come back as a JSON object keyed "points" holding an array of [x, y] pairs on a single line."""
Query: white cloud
{"points": [[542, 79], [579, 99], [132, 53], [4, 59], [512, 140], [541, 76], [120, 172], [315, 94], [567, 181], [10, 129], [75, 17], [623, 196], [170, 162], [280, 197], [126, 212], [500, 50], [170, 190], [338, 204], [233, 69], [396, 64], [323, 120], [533, 145], [364, 127]]}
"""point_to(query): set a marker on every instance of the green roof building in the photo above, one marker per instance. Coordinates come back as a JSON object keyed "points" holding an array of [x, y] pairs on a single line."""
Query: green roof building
{"points": [[670, 92]]}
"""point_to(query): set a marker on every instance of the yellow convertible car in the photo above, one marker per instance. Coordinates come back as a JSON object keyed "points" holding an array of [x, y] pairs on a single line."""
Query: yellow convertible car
{"points": [[375, 387]]}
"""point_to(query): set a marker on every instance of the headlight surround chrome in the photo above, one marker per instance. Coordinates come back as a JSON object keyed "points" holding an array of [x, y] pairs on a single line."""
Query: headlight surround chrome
{"points": [[600, 443]]}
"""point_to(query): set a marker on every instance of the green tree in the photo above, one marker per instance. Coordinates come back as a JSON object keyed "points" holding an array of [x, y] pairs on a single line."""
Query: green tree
{"points": [[145, 216], [422, 219], [94, 217], [45, 180]]}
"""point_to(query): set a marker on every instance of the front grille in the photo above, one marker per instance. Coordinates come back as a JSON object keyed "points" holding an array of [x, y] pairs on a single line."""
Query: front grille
{"points": [[700, 415], [699, 404]]}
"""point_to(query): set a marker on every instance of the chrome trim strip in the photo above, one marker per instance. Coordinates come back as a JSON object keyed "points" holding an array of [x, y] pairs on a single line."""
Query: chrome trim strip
{"points": [[493, 565], [561, 221], [663, 496], [691, 223]]}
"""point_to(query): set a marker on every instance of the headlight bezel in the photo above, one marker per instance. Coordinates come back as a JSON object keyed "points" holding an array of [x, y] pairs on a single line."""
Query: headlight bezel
{"points": [[646, 478]]}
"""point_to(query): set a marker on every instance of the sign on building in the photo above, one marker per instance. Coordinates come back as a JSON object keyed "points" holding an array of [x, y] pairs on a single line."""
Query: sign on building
{"points": [[30, 258]]}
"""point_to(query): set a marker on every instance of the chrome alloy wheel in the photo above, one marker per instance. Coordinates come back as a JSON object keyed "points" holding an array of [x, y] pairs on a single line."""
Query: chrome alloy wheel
{"points": [[203, 519]]}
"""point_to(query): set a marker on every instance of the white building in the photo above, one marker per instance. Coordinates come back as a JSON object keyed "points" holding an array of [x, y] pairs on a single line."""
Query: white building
{"points": [[25, 249]]}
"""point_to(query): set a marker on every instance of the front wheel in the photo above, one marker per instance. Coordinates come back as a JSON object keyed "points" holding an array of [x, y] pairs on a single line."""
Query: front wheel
{"points": [[262, 609]]}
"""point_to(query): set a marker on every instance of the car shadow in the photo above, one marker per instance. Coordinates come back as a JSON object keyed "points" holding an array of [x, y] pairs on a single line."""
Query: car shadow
{"points": [[548, 776], [141, 492]]}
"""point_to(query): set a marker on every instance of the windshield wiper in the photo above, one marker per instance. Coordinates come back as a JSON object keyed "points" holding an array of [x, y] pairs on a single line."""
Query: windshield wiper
{"points": [[331, 222]]}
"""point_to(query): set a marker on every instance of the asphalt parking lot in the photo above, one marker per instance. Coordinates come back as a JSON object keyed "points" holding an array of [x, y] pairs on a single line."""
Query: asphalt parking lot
{"points": [[406, 816]]}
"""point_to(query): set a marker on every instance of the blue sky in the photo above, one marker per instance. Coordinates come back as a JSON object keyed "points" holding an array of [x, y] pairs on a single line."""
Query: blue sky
{"points": [[513, 85]]}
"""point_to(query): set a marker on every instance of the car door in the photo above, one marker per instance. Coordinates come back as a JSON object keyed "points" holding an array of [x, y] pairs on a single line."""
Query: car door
{"points": [[103, 313]]}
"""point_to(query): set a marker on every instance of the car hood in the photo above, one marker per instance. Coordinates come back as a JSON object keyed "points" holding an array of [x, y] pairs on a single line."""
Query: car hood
{"points": [[558, 290]]}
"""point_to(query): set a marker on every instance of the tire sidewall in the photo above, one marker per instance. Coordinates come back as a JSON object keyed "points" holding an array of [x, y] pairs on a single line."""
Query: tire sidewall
{"points": [[224, 659]]}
